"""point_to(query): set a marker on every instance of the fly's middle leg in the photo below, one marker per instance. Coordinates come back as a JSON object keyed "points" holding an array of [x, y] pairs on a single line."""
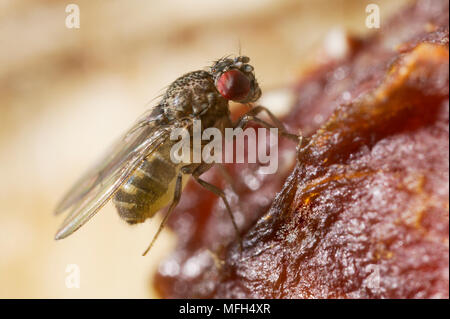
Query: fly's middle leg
{"points": [[221, 194], [226, 175], [195, 171], [199, 170]]}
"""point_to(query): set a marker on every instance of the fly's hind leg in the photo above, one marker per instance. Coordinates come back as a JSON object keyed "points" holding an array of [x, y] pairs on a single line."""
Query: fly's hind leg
{"points": [[176, 199]]}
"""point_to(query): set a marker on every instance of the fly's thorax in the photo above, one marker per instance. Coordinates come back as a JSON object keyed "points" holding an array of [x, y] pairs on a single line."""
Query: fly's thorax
{"points": [[193, 94]]}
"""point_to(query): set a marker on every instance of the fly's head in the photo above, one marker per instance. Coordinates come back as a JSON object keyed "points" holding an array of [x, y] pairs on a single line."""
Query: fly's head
{"points": [[235, 79]]}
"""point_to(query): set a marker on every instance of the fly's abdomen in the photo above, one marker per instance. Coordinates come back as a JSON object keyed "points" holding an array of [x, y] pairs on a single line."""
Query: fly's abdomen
{"points": [[149, 189]]}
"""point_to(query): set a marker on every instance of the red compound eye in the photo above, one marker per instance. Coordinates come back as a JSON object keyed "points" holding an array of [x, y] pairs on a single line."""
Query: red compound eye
{"points": [[233, 85]]}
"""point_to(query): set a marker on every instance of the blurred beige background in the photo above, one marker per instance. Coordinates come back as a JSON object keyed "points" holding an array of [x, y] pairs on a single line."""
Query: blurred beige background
{"points": [[67, 93]]}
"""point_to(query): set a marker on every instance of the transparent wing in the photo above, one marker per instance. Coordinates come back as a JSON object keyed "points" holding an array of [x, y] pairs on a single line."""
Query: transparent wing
{"points": [[96, 187]]}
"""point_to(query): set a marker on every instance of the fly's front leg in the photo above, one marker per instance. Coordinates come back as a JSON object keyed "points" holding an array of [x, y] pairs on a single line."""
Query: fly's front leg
{"points": [[250, 116], [214, 189]]}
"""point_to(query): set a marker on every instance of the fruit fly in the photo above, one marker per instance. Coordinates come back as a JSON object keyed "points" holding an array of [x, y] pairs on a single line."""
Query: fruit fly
{"points": [[137, 171]]}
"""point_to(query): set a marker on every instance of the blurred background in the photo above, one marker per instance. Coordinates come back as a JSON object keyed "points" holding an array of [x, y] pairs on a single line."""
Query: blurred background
{"points": [[67, 93]]}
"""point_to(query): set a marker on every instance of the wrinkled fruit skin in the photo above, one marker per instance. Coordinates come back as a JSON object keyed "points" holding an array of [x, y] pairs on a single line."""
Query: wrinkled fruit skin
{"points": [[364, 211]]}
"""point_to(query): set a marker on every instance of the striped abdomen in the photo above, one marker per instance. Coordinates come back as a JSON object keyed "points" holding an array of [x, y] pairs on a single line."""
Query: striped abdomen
{"points": [[149, 189]]}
